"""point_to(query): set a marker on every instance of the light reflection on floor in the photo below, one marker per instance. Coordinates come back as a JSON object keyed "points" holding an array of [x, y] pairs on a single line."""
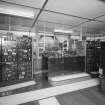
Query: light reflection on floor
{"points": [[42, 83]]}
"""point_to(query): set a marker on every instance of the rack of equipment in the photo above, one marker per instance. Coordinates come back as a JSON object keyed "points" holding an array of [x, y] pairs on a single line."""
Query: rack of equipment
{"points": [[24, 51], [16, 59], [93, 57]]}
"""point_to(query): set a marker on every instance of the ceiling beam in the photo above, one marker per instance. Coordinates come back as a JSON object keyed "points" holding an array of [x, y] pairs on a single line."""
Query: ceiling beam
{"points": [[89, 21], [35, 19]]}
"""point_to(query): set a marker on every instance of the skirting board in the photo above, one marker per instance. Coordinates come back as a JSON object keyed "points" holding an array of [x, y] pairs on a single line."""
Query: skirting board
{"points": [[16, 86], [65, 77], [45, 93]]}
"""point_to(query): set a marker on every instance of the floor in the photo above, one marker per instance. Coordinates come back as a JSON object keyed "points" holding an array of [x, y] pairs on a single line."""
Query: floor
{"points": [[35, 94], [88, 96], [30, 95], [31, 103], [41, 84]]}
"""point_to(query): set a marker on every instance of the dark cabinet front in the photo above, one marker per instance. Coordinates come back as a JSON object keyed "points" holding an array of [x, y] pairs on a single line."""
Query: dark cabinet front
{"points": [[70, 64]]}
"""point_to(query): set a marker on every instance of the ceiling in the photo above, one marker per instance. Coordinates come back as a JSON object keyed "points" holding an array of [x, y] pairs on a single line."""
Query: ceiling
{"points": [[66, 14]]}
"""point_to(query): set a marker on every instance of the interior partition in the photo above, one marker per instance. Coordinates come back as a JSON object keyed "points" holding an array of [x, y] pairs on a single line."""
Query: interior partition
{"points": [[59, 54]]}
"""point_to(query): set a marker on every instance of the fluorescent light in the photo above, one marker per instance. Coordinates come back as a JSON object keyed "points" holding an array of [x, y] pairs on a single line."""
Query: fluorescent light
{"points": [[46, 33], [75, 37], [63, 31]]}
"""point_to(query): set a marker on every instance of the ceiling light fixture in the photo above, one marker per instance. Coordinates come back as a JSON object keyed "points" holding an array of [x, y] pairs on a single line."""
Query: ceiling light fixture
{"points": [[63, 31]]}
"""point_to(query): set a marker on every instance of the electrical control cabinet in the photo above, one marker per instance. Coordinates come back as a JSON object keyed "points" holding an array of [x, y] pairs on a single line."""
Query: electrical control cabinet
{"points": [[93, 56], [16, 59], [24, 51]]}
